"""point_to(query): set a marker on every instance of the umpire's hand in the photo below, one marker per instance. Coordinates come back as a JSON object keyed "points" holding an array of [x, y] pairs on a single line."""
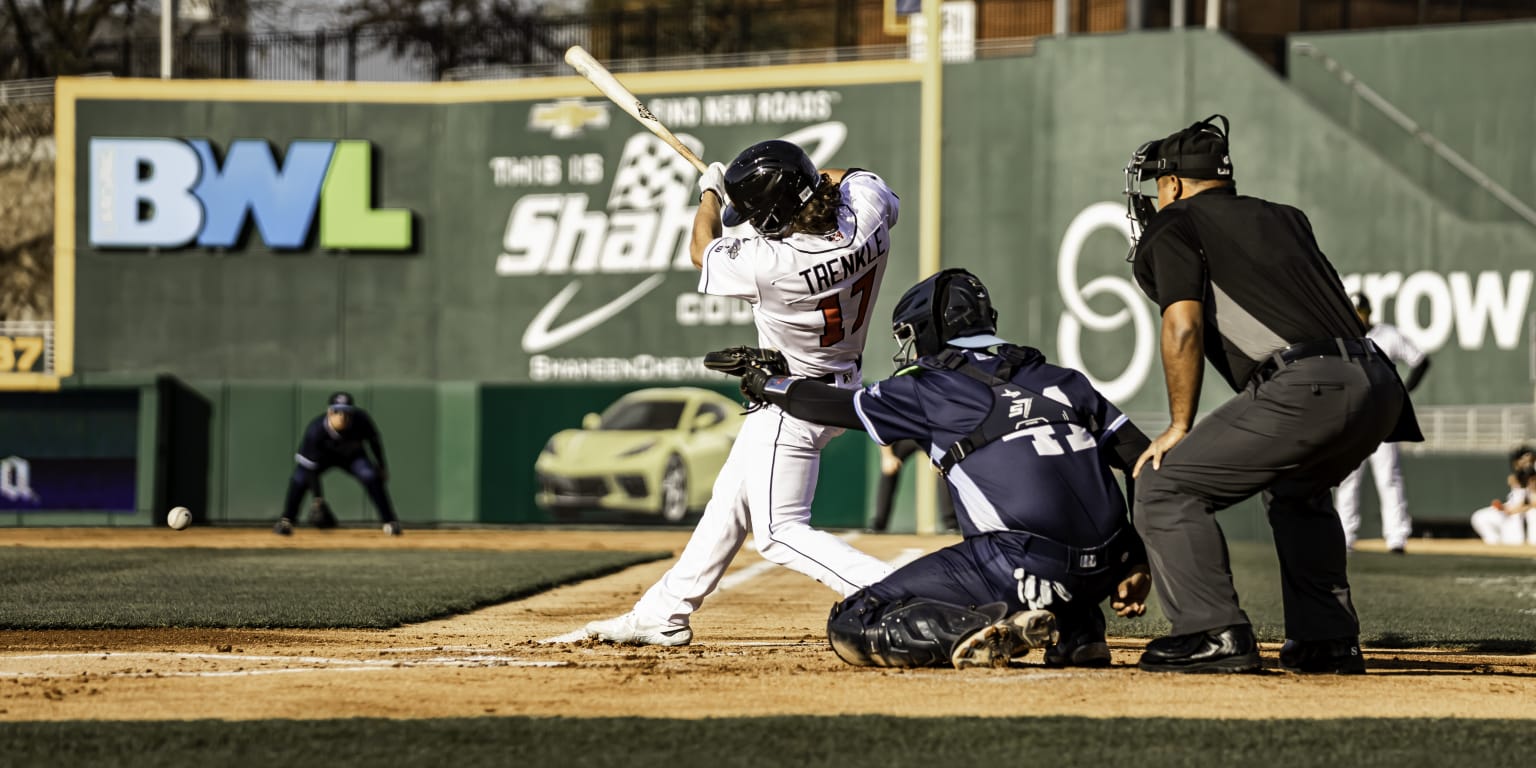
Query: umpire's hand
{"points": [[1130, 598], [1164, 443]]}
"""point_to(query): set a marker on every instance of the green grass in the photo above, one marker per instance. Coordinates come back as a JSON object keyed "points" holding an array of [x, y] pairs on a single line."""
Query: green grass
{"points": [[1478, 603], [245, 588], [804, 742]]}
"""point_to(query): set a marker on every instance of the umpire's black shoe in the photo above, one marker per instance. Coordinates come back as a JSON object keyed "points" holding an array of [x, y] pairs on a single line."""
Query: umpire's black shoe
{"points": [[1230, 649], [1339, 657]]}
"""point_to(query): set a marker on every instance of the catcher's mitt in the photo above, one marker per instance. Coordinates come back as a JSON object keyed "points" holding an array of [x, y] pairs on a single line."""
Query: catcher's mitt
{"points": [[737, 361]]}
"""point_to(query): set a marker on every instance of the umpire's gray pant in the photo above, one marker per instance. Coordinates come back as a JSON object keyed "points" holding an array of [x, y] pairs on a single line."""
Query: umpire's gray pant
{"points": [[1293, 437]]}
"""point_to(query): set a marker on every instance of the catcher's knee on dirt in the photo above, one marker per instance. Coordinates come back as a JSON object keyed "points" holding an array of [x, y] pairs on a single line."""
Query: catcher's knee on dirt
{"points": [[868, 632]]}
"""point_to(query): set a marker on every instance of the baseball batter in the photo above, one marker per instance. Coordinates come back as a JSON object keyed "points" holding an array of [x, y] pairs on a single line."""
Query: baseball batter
{"points": [[1395, 523], [811, 274]]}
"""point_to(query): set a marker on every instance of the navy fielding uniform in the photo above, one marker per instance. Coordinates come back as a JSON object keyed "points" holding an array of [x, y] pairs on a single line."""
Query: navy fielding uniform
{"points": [[1026, 448], [1315, 398], [326, 448]]}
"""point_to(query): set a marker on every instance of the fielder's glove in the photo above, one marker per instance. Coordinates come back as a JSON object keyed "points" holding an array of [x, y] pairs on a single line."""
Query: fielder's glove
{"points": [[713, 180], [321, 515], [754, 365]]}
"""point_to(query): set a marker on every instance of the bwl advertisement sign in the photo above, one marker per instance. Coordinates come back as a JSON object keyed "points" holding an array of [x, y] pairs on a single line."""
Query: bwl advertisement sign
{"points": [[507, 232]]}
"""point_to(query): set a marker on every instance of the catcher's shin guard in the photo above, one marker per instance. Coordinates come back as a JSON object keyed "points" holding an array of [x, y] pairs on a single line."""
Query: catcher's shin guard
{"points": [[865, 631]]}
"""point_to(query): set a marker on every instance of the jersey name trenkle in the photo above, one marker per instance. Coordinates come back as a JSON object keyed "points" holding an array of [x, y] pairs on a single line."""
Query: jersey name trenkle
{"points": [[824, 275]]}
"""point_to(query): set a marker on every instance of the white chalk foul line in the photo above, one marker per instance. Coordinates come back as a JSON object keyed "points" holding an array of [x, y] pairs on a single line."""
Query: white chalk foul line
{"points": [[907, 555], [309, 664], [743, 576]]}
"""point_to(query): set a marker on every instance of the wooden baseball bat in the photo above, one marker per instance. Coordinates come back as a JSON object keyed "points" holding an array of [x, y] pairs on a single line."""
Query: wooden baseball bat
{"points": [[598, 75]]}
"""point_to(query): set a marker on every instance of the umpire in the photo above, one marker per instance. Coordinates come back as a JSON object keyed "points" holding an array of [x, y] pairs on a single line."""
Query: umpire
{"points": [[1242, 281], [337, 438]]}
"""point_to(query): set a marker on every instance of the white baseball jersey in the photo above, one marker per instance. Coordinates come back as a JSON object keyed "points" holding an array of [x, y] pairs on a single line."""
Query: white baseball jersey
{"points": [[1397, 346], [811, 295]]}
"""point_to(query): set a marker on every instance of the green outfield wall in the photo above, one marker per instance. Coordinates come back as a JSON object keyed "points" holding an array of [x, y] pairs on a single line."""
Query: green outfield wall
{"points": [[538, 238], [1033, 204], [1471, 86], [470, 256]]}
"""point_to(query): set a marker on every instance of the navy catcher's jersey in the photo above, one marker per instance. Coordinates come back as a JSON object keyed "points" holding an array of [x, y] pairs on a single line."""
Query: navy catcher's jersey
{"points": [[1046, 476]]}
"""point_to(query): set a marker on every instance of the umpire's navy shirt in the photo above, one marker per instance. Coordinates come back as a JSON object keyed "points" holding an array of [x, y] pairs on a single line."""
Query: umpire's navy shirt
{"points": [[1048, 480], [1258, 271]]}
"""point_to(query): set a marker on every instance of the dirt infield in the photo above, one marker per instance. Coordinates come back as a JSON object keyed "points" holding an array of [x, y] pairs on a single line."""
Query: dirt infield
{"points": [[759, 649]]}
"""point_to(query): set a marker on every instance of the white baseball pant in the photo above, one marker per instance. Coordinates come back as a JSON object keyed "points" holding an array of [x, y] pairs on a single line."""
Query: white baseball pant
{"points": [[765, 486], [1395, 523], [1495, 527]]}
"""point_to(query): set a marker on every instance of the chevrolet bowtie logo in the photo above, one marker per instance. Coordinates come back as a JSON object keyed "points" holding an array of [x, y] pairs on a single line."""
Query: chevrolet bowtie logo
{"points": [[567, 118]]}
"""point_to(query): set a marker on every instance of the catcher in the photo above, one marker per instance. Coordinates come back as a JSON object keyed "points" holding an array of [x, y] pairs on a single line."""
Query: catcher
{"points": [[1026, 449]]}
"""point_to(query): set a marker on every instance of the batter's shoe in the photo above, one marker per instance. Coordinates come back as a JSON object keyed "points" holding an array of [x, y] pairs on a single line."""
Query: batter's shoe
{"points": [[1337, 657], [630, 629], [996, 643], [392, 528], [1229, 649], [284, 527]]}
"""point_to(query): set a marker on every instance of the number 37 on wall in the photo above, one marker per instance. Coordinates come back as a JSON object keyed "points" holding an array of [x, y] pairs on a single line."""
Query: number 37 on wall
{"points": [[18, 354]]}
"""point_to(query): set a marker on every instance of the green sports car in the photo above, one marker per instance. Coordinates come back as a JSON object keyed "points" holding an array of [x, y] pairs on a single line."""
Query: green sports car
{"points": [[654, 450]]}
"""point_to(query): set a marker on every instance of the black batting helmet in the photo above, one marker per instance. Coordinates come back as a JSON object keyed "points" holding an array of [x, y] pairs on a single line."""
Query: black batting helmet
{"points": [[946, 305], [768, 183]]}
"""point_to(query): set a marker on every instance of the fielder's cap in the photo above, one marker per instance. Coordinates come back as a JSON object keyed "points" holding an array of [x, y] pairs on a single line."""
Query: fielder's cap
{"points": [[1362, 303], [977, 341], [341, 401], [1520, 451], [1197, 152]]}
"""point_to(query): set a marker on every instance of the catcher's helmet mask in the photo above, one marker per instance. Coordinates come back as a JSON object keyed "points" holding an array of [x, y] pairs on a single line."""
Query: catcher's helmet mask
{"points": [[768, 184], [945, 306], [1197, 152]]}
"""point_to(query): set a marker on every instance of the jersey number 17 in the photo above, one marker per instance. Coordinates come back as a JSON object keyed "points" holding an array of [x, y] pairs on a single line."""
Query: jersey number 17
{"points": [[832, 310]]}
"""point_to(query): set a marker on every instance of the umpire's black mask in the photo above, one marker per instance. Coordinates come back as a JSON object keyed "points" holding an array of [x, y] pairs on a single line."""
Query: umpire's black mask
{"points": [[1197, 152]]}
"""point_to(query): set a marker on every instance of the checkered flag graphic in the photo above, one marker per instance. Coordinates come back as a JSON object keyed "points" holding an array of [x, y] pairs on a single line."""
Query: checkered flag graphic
{"points": [[652, 174]]}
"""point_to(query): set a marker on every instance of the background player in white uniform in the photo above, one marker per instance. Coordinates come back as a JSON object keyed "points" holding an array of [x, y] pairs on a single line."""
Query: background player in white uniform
{"points": [[1502, 522], [811, 274], [1385, 467]]}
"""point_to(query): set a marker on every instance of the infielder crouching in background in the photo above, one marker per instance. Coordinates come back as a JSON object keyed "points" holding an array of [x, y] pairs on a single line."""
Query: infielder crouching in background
{"points": [[337, 438], [1026, 449]]}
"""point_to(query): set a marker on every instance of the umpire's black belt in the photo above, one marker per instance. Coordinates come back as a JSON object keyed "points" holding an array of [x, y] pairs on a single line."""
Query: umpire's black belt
{"points": [[1345, 348]]}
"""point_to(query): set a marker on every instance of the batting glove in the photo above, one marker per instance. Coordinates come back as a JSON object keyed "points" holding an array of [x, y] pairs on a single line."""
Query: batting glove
{"points": [[713, 180]]}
